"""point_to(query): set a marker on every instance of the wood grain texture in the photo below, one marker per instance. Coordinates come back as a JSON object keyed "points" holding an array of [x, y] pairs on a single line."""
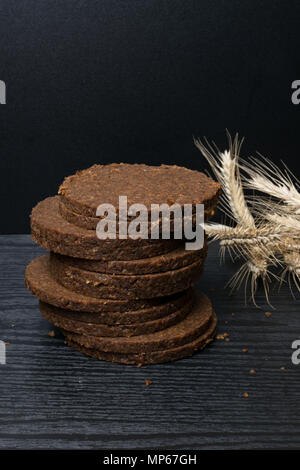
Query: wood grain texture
{"points": [[53, 397]]}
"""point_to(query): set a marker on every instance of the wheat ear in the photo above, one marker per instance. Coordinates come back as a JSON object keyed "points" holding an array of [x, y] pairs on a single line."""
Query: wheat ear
{"points": [[267, 178], [253, 240], [225, 168]]}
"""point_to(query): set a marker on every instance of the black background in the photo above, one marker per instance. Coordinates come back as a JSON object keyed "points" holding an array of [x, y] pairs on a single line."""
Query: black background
{"points": [[134, 80]]}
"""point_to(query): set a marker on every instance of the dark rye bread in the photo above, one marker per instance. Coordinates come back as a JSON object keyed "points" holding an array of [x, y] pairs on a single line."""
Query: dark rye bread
{"points": [[71, 321], [54, 233], [90, 223], [134, 286], [195, 324], [40, 283], [157, 264], [83, 192], [154, 357]]}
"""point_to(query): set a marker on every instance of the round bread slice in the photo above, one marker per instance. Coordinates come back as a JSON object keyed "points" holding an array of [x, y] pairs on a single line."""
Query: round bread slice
{"points": [[40, 283], [175, 259], [83, 192], [154, 357], [195, 324], [71, 321], [134, 286], [53, 232]]}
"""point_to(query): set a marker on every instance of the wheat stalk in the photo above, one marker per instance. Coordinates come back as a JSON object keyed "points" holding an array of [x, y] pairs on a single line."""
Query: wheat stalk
{"points": [[266, 232], [267, 178], [226, 170]]}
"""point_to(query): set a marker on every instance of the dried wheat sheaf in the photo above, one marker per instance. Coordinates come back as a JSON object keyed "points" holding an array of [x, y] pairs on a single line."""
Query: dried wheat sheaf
{"points": [[265, 227]]}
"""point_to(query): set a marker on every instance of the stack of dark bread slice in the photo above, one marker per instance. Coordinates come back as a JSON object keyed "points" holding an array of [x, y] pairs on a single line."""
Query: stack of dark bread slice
{"points": [[127, 300]]}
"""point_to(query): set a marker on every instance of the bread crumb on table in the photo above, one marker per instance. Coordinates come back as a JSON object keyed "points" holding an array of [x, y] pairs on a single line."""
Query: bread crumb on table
{"points": [[148, 382], [222, 335]]}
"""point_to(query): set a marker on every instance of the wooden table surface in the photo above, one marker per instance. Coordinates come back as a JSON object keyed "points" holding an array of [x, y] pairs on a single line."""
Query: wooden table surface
{"points": [[54, 397]]}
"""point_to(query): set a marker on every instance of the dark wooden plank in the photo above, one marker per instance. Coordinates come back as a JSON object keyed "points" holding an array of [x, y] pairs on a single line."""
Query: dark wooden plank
{"points": [[54, 397]]}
